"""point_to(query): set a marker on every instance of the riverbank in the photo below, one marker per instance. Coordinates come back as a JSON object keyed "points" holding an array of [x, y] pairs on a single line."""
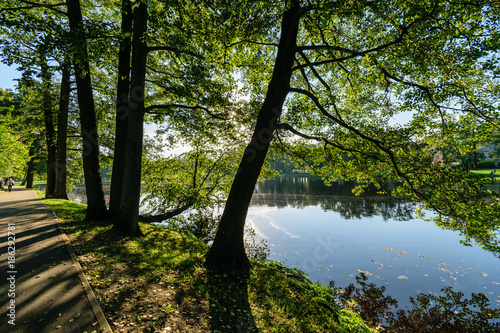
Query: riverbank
{"points": [[158, 283]]}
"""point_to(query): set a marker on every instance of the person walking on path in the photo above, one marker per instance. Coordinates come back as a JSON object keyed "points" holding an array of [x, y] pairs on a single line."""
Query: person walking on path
{"points": [[10, 184], [42, 286]]}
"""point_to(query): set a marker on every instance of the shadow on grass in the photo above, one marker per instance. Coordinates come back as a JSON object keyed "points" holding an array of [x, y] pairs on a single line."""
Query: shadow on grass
{"points": [[228, 298]]}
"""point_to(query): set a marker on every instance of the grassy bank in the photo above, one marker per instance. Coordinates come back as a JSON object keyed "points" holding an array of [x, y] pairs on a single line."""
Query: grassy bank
{"points": [[157, 283], [487, 173]]}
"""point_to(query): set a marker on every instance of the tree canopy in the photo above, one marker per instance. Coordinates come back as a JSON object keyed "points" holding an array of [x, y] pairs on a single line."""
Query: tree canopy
{"points": [[327, 82]]}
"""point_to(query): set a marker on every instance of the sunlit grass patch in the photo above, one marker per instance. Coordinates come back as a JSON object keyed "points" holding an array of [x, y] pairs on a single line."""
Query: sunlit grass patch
{"points": [[284, 300], [488, 173]]}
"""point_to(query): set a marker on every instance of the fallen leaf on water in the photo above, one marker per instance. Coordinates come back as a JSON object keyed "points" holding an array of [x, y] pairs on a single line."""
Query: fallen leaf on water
{"points": [[364, 272], [484, 274], [401, 277], [388, 248]]}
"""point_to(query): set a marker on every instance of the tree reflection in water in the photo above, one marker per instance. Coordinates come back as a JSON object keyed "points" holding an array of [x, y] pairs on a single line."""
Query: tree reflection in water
{"points": [[300, 192]]}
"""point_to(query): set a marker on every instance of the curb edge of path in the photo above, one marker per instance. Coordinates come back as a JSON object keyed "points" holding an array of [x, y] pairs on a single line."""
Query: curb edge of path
{"points": [[96, 308]]}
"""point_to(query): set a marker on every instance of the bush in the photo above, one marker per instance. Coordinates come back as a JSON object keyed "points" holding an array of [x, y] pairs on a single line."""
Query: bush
{"points": [[486, 164]]}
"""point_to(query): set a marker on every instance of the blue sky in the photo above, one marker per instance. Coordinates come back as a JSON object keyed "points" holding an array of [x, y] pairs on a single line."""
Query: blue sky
{"points": [[7, 75]]}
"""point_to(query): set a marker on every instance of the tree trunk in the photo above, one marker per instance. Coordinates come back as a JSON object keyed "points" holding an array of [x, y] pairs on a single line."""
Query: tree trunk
{"points": [[168, 215], [96, 205], [34, 148], [122, 110], [61, 188], [48, 115], [127, 223], [29, 173], [228, 248]]}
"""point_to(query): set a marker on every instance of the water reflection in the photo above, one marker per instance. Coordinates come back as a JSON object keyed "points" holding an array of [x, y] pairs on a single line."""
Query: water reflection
{"points": [[303, 192], [79, 194], [333, 235]]}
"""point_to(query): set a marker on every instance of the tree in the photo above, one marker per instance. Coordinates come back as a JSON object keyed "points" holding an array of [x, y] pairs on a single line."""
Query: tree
{"points": [[47, 37], [61, 188], [228, 247], [184, 89], [13, 152], [96, 205], [49, 119], [121, 118], [130, 198], [343, 70]]}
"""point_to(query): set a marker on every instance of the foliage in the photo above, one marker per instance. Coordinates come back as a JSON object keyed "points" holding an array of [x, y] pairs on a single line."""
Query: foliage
{"points": [[13, 150], [294, 304], [198, 179], [13, 153], [486, 164]]}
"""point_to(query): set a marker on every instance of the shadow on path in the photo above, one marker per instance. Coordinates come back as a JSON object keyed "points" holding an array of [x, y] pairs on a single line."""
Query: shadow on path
{"points": [[40, 287]]}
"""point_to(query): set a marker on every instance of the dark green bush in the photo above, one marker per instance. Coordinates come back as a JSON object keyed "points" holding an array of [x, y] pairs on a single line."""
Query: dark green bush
{"points": [[486, 164]]}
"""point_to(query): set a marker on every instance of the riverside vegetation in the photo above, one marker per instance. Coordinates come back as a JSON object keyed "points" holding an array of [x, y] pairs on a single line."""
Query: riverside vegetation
{"points": [[158, 283]]}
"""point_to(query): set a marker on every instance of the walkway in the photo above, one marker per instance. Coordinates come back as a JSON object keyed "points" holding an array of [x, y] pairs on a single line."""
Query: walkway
{"points": [[42, 287]]}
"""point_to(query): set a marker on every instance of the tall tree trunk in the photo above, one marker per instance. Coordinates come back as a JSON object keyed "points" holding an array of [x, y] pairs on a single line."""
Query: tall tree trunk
{"points": [[29, 172], [122, 110], [228, 248], [48, 115], [34, 148], [96, 205], [61, 188], [127, 223]]}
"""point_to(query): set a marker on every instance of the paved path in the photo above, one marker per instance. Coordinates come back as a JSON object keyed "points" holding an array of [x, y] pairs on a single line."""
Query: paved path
{"points": [[42, 287]]}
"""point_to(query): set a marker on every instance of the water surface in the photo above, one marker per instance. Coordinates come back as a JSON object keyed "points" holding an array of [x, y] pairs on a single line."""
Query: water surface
{"points": [[333, 235]]}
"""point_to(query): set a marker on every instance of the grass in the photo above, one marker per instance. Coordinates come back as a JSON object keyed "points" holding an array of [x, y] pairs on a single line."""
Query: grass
{"points": [[158, 283], [39, 182], [486, 173]]}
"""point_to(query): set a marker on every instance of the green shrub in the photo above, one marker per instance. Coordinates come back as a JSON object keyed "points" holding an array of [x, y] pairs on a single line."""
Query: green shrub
{"points": [[486, 164]]}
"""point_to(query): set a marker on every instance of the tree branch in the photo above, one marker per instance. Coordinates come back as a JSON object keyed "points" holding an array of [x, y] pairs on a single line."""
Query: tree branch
{"points": [[379, 144], [315, 72], [173, 49], [251, 42], [169, 106], [425, 89], [39, 5], [289, 128]]}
